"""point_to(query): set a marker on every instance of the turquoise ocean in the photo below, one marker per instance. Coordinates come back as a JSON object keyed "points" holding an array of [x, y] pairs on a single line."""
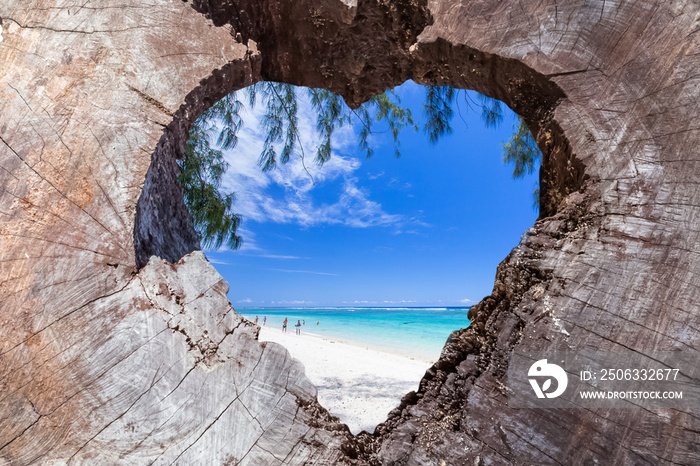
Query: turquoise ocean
{"points": [[414, 332]]}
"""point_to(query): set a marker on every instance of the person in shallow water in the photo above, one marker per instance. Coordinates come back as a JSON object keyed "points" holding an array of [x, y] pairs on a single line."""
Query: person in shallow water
{"points": [[264, 320], [298, 327], [284, 325]]}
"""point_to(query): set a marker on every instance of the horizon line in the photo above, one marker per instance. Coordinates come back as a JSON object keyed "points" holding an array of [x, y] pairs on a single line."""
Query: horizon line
{"points": [[347, 307]]}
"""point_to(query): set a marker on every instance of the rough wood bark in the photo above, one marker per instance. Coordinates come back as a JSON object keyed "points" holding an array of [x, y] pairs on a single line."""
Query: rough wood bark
{"points": [[110, 355]]}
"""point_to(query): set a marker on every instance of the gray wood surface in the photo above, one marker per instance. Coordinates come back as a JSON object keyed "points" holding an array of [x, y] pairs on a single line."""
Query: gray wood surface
{"points": [[117, 342]]}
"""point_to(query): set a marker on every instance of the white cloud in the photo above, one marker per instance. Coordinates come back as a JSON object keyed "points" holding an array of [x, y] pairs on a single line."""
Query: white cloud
{"points": [[465, 301], [217, 261], [304, 271], [402, 301], [246, 300], [279, 256], [284, 195]]}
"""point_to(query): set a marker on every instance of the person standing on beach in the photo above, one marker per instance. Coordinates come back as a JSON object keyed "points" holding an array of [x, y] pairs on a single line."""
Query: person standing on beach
{"points": [[284, 326], [264, 320], [298, 326], [256, 320]]}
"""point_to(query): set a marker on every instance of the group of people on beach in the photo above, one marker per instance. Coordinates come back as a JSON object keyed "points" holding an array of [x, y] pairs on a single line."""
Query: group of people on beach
{"points": [[297, 325], [264, 320], [284, 324]]}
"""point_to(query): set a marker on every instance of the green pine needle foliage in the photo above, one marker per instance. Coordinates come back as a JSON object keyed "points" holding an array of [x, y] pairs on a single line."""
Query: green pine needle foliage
{"points": [[202, 167], [522, 151], [330, 114], [387, 108], [280, 123], [438, 111], [491, 111], [201, 170], [536, 197]]}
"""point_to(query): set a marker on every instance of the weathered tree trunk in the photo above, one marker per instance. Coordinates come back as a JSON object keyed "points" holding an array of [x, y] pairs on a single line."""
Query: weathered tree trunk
{"points": [[110, 354]]}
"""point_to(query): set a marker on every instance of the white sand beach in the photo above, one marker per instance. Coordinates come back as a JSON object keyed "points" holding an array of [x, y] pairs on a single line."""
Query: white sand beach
{"points": [[358, 384]]}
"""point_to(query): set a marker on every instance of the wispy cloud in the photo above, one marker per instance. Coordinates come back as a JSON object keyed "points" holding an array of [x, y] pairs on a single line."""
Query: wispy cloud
{"points": [[402, 301], [304, 271], [278, 256], [394, 183], [286, 195], [293, 302], [465, 301], [217, 261], [246, 300]]}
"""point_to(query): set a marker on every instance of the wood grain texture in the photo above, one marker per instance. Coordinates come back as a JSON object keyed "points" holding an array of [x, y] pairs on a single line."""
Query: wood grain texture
{"points": [[117, 342], [100, 362]]}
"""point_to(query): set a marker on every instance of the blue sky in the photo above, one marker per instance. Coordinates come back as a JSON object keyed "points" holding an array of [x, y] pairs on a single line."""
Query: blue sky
{"points": [[426, 229]]}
